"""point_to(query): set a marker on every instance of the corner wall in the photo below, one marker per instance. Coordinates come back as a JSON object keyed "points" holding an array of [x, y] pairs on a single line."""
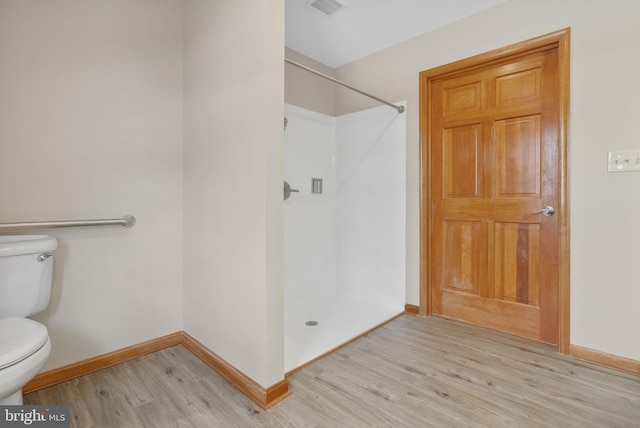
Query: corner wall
{"points": [[91, 126], [304, 89], [605, 105], [233, 267]]}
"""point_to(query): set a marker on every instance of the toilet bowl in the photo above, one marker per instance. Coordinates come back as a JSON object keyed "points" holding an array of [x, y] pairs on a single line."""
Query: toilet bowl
{"points": [[24, 348], [25, 286]]}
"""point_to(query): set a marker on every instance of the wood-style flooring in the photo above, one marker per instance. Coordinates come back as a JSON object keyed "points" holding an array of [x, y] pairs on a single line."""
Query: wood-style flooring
{"points": [[412, 372]]}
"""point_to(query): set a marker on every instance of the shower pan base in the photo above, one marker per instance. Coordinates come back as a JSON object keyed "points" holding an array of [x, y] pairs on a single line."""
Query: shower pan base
{"points": [[339, 320]]}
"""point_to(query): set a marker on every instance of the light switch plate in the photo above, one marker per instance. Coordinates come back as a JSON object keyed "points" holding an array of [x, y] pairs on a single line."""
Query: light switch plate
{"points": [[624, 161]]}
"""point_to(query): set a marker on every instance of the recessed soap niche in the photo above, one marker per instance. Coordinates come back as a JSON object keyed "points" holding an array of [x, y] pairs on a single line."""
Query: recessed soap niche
{"points": [[316, 185]]}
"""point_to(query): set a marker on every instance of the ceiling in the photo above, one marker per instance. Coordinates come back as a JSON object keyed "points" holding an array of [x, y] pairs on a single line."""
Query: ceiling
{"points": [[367, 26]]}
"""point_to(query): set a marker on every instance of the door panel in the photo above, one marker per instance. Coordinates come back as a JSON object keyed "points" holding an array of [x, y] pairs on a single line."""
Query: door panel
{"points": [[464, 98], [517, 263], [518, 87], [462, 247], [493, 166], [518, 157], [462, 154]]}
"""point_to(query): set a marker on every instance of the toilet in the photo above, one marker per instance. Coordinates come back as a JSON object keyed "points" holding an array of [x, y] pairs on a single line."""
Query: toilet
{"points": [[26, 266]]}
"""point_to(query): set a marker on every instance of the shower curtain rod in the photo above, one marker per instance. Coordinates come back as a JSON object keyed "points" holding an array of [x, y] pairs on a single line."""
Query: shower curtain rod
{"points": [[311, 70]]}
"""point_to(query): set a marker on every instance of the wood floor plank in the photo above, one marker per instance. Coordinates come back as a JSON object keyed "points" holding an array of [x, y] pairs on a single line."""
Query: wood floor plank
{"points": [[411, 372]]}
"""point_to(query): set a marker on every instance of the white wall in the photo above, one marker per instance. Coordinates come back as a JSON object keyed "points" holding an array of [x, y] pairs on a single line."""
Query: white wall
{"points": [[371, 185], [349, 240], [91, 127], [233, 250], [605, 106], [310, 244]]}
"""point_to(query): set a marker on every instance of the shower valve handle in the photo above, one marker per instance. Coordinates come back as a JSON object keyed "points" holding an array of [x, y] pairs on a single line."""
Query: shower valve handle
{"points": [[288, 190]]}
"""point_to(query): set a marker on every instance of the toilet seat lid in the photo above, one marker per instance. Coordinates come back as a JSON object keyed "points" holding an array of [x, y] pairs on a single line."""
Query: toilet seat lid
{"points": [[19, 338]]}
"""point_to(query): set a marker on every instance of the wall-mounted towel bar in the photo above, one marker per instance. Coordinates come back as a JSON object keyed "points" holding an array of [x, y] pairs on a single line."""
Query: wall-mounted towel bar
{"points": [[126, 221]]}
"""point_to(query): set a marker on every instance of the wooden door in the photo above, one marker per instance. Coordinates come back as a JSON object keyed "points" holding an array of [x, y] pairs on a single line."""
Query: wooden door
{"points": [[493, 163]]}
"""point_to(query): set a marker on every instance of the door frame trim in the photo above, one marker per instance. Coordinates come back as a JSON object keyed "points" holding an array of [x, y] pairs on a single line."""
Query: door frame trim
{"points": [[561, 40]]}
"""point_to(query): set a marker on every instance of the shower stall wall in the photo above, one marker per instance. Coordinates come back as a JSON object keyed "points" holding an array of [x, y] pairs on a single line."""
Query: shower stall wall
{"points": [[344, 247]]}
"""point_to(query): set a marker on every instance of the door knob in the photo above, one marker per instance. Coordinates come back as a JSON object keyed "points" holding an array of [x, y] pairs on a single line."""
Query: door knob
{"points": [[547, 211]]}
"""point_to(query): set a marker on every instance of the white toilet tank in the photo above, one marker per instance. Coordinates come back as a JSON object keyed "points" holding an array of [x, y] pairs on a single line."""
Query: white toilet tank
{"points": [[26, 266]]}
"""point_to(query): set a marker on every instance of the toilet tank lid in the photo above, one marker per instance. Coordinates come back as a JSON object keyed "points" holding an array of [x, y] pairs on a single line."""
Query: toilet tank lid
{"points": [[19, 338], [14, 245]]}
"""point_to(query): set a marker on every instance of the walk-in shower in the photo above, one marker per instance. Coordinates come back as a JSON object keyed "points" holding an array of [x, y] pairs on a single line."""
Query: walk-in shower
{"points": [[344, 229]]}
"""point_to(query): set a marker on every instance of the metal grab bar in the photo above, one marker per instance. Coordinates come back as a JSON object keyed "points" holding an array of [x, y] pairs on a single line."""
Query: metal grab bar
{"points": [[126, 221]]}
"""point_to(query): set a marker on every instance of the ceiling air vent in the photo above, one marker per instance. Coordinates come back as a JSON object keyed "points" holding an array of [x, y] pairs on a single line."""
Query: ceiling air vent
{"points": [[327, 7]]}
